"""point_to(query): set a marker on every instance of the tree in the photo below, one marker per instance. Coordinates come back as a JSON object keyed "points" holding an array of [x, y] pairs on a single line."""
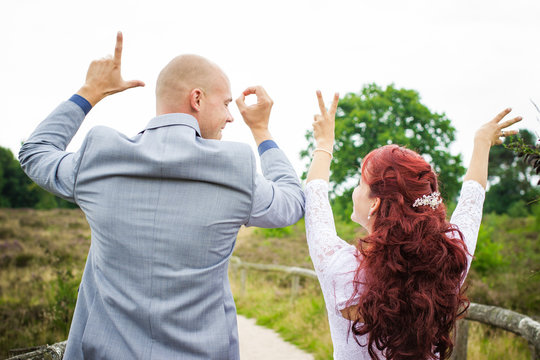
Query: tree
{"points": [[17, 190], [375, 117], [14, 191], [511, 188]]}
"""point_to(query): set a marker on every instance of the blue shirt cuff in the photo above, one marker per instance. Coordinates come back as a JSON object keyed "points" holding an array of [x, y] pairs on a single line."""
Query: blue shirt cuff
{"points": [[267, 145], [82, 102]]}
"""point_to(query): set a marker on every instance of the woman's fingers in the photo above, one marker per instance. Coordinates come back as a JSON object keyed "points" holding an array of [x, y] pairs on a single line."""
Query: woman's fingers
{"points": [[509, 132], [333, 107], [501, 115], [510, 122], [322, 108]]}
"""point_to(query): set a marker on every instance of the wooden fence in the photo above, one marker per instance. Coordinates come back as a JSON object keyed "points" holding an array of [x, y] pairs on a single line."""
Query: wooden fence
{"points": [[505, 319]]}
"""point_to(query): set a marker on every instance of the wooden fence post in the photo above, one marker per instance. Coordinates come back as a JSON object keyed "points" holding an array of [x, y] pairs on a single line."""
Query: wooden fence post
{"points": [[243, 280], [295, 284], [462, 339]]}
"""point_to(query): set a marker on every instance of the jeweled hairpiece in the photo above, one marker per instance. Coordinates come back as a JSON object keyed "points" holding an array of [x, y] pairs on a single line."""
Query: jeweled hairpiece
{"points": [[432, 200]]}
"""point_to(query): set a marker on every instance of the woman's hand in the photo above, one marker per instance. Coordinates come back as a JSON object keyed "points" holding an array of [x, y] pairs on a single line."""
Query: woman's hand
{"points": [[324, 124], [486, 136], [492, 131], [323, 131]]}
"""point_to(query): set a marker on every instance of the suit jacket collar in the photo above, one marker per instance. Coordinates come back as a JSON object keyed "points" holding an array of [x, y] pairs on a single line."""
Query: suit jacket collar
{"points": [[174, 119]]}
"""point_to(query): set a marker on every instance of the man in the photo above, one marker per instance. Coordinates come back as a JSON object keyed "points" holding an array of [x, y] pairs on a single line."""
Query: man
{"points": [[164, 208]]}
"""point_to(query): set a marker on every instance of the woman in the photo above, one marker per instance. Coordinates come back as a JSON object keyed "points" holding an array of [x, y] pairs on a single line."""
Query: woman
{"points": [[397, 294]]}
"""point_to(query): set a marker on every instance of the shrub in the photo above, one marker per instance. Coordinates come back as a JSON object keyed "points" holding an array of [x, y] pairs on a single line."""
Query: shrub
{"points": [[275, 233], [488, 253]]}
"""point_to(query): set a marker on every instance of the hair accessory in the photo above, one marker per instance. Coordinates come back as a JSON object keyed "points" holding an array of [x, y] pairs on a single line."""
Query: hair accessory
{"points": [[326, 151], [432, 200]]}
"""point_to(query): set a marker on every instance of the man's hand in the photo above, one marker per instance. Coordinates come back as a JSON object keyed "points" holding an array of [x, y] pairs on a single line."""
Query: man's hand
{"points": [[256, 116], [104, 77]]}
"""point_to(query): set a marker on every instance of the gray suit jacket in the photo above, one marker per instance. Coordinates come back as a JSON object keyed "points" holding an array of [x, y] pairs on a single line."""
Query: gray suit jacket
{"points": [[164, 208]]}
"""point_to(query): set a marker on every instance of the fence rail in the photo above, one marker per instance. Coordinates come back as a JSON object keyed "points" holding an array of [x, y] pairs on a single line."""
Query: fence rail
{"points": [[505, 319]]}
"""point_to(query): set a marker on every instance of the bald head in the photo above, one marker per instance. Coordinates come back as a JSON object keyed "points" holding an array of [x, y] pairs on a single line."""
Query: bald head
{"points": [[179, 77]]}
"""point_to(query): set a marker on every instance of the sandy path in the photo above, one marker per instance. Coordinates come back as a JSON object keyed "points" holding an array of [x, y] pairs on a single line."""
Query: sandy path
{"points": [[259, 343]]}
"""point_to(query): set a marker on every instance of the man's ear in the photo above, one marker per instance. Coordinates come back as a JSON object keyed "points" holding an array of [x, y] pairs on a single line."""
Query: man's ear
{"points": [[195, 98]]}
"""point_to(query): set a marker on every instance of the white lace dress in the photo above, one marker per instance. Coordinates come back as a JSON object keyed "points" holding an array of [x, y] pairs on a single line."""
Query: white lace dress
{"points": [[335, 261]]}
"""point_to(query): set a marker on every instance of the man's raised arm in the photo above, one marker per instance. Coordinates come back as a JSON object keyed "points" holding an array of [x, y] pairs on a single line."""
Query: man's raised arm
{"points": [[278, 199], [42, 156]]}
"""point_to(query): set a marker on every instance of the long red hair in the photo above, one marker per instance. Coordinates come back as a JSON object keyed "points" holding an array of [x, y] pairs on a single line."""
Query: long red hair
{"points": [[411, 266]]}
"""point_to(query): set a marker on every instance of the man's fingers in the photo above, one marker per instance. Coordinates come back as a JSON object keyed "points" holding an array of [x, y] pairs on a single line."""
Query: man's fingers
{"points": [[250, 91], [333, 107], [501, 115], [134, 83], [322, 108], [240, 102], [118, 48], [259, 92]]}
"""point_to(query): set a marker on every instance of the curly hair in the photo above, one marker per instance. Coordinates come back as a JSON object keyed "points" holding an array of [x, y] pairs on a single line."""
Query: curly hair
{"points": [[412, 265]]}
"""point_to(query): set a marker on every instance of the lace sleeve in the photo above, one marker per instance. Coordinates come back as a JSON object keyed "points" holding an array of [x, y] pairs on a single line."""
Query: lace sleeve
{"points": [[468, 214], [322, 238]]}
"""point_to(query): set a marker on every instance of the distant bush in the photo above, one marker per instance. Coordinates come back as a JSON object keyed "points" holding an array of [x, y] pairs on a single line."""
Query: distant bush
{"points": [[487, 256], [274, 233], [18, 191], [62, 297], [536, 214]]}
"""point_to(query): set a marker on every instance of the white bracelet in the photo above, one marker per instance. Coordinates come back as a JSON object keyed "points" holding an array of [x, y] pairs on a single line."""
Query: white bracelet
{"points": [[326, 151]]}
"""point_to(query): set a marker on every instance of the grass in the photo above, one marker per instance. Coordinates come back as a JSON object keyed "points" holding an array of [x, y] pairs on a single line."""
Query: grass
{"points": [[489, 343], [42, 255], [301, 321]]}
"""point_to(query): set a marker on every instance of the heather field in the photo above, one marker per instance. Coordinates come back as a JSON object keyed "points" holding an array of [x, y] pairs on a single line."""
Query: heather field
{"points": [[42, 253]]}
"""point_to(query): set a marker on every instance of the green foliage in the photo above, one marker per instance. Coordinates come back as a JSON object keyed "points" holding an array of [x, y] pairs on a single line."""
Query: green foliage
{"points": [[536, 214], [349, 230], [506, 268], [63, 296], [274, 233], [488, 255], [375, 117], [518, 209], [18, 191], [510, 178], [14, 190]]}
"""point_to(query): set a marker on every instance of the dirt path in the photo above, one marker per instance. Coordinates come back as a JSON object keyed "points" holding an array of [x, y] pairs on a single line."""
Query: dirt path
{"points": [[259, 343]]}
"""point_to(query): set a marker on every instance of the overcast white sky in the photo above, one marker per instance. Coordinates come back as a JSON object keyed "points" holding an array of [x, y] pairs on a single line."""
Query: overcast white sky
{"points": [[469, 59]]}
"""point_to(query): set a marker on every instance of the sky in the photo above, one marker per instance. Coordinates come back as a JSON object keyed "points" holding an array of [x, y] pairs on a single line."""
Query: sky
{"points": [[468, 59]]}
